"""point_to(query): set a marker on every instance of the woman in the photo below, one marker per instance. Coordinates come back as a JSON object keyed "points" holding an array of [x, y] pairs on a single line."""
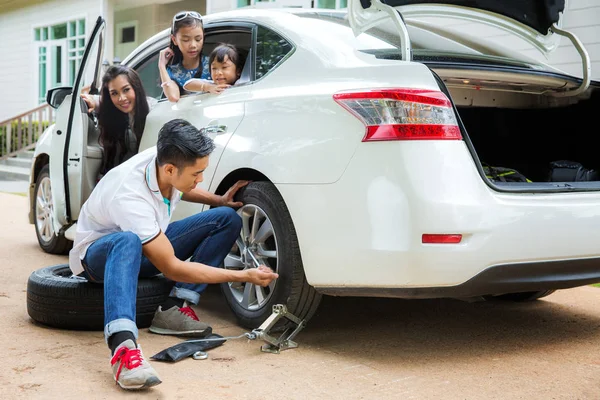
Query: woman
{"points": [[122, 110]]}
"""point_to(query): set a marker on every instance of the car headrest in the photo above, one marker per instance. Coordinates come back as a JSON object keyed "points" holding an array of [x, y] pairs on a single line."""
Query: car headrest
{"points": [[246, 74]]}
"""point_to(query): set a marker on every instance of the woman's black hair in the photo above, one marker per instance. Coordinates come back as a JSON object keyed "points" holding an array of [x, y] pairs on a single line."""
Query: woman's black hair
{"points": [[229, 50], [114, 123], [177, 55]]}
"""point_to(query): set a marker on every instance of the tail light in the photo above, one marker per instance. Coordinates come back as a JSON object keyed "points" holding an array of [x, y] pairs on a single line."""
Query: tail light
{"points": [[402, 114], [439, 238]]}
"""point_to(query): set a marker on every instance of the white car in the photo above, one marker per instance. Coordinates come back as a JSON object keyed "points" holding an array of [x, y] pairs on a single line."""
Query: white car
{"points": [[365, 134]]}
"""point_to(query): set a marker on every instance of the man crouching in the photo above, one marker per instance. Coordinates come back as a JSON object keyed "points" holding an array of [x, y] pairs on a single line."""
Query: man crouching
{"points": [[123, 233]]}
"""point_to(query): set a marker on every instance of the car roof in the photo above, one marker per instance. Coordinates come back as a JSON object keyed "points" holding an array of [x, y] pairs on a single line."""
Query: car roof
{"points": [[298, 25]]}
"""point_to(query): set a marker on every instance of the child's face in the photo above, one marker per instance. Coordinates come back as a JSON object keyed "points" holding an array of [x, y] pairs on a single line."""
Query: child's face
{"points": [[190, 40], [224, 72]]}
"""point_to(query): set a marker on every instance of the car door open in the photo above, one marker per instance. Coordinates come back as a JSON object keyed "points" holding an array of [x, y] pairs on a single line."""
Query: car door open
{"points": [[76, 155]]}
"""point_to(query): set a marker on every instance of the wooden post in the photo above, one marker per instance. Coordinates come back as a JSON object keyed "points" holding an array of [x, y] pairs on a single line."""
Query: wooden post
{"points": [[8, 137], [2, 141], [19, 134], [40, 124], [29, 129]]}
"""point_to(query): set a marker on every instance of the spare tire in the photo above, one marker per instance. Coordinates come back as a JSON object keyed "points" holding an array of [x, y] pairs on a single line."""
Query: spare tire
{"points": [[56, 298]]}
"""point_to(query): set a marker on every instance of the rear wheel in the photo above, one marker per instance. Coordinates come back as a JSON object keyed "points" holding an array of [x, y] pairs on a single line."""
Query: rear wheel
{"points": [[521, 296], [268, 235], [43, 212]]}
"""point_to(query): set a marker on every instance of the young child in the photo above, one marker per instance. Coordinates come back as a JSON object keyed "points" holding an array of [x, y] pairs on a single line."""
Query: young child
{"points": [[183, 59], [225, 64]]}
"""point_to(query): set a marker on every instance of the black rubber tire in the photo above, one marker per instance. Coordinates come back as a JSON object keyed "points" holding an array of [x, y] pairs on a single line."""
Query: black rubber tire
{"points": [[522, 296], [59, 244], [291, 288], [56, 299]]}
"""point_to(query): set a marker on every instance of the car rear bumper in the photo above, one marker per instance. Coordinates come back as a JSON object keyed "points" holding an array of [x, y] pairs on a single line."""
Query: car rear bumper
{"points": [[363, 233], [499, 279]]}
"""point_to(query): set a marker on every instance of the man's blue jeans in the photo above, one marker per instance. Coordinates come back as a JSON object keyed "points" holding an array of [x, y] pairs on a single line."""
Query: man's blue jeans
{"points": [[117, 260]]}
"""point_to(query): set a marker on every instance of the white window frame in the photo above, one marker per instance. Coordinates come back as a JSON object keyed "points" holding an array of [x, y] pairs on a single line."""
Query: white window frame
{"points": [[48, 43]]}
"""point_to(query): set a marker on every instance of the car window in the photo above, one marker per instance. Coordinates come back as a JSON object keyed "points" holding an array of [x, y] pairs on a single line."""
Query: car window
{"points": [[271, 48], [150, 76]]}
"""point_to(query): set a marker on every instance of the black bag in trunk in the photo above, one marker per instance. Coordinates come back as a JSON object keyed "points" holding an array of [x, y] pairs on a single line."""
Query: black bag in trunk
{"points": [[570, 171]]}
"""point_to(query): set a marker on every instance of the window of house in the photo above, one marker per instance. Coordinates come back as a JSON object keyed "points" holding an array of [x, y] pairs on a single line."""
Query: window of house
{"points": [[42, 87], [128, 34], [59, 50], [334, 4], [271, 48], [246, 3]]}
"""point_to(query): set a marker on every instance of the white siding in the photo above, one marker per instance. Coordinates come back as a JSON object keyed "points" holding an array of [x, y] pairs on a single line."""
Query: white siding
{"points": [[18, 91], [582, 18], [214, 6]]}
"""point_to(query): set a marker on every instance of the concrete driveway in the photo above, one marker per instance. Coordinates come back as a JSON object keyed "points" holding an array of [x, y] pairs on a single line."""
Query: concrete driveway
{"points": [[353, 349]]}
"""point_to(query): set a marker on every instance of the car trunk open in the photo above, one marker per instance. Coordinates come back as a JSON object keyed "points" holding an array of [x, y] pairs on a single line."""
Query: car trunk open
{"points": [[517, 114], [520, 121]]}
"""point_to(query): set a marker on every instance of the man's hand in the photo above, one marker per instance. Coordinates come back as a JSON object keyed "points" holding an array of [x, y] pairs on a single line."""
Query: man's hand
{"points": [[227, 198], [261, 276]]}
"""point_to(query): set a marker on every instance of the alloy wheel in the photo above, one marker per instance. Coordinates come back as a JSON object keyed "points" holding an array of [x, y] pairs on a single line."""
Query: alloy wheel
{"points": [[44, 210], [257, 244]]}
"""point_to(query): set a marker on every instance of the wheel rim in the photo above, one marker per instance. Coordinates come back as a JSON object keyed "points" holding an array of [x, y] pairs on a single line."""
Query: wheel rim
{"points": [[258, 239], [44, 210]]}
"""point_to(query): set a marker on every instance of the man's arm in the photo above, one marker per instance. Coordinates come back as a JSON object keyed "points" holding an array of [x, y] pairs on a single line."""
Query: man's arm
{"points": [[161, 254], [202, 196]]}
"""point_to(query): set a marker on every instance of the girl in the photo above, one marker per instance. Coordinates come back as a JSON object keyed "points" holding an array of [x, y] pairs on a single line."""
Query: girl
{"points": [[183, 59], [225, 64], [122, 110]]}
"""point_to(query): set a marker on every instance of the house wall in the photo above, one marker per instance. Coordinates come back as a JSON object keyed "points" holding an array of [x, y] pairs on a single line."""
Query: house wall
{"points": [[146, 18], [153, 18], [582, 18], [18, 80], [167, 11], [220, 5]]}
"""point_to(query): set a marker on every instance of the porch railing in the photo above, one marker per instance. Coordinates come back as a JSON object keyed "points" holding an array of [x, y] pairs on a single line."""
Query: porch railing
{"points": [[21, 132]]}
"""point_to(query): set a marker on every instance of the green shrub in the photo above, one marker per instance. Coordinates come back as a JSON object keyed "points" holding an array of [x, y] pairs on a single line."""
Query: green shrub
{"points": [[15, 145]]}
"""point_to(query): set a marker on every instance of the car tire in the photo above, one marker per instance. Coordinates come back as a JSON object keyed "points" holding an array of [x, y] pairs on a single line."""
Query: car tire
{"points": [[42, 211], [55, 298], [264, 205], [521, 296]]}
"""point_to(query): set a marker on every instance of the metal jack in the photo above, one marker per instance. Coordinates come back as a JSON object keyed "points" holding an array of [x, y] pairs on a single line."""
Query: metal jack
{"points": [[284, 341]]}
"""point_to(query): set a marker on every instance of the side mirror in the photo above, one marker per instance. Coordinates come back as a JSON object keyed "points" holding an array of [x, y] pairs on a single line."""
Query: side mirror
{"points": [[56, 96]]}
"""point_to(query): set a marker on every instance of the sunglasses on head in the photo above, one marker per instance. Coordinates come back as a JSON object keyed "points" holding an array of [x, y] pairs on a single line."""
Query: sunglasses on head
{"points": [[184, 14]]}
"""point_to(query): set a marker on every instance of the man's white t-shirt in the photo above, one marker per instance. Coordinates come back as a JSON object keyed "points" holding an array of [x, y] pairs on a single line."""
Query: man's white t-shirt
{"points": [[127, 199]]}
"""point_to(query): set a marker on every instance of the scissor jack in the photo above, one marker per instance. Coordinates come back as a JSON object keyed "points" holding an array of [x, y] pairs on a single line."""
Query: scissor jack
{"points": [[273, 345], [284, 341]]}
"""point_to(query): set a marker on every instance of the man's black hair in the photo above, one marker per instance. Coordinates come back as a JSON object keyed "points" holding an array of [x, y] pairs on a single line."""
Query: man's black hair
{"points": [[180, 143]]}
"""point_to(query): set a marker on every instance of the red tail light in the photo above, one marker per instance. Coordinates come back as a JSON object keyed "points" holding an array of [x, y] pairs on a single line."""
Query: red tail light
{"points": [[402, 114], [439, 238]]}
